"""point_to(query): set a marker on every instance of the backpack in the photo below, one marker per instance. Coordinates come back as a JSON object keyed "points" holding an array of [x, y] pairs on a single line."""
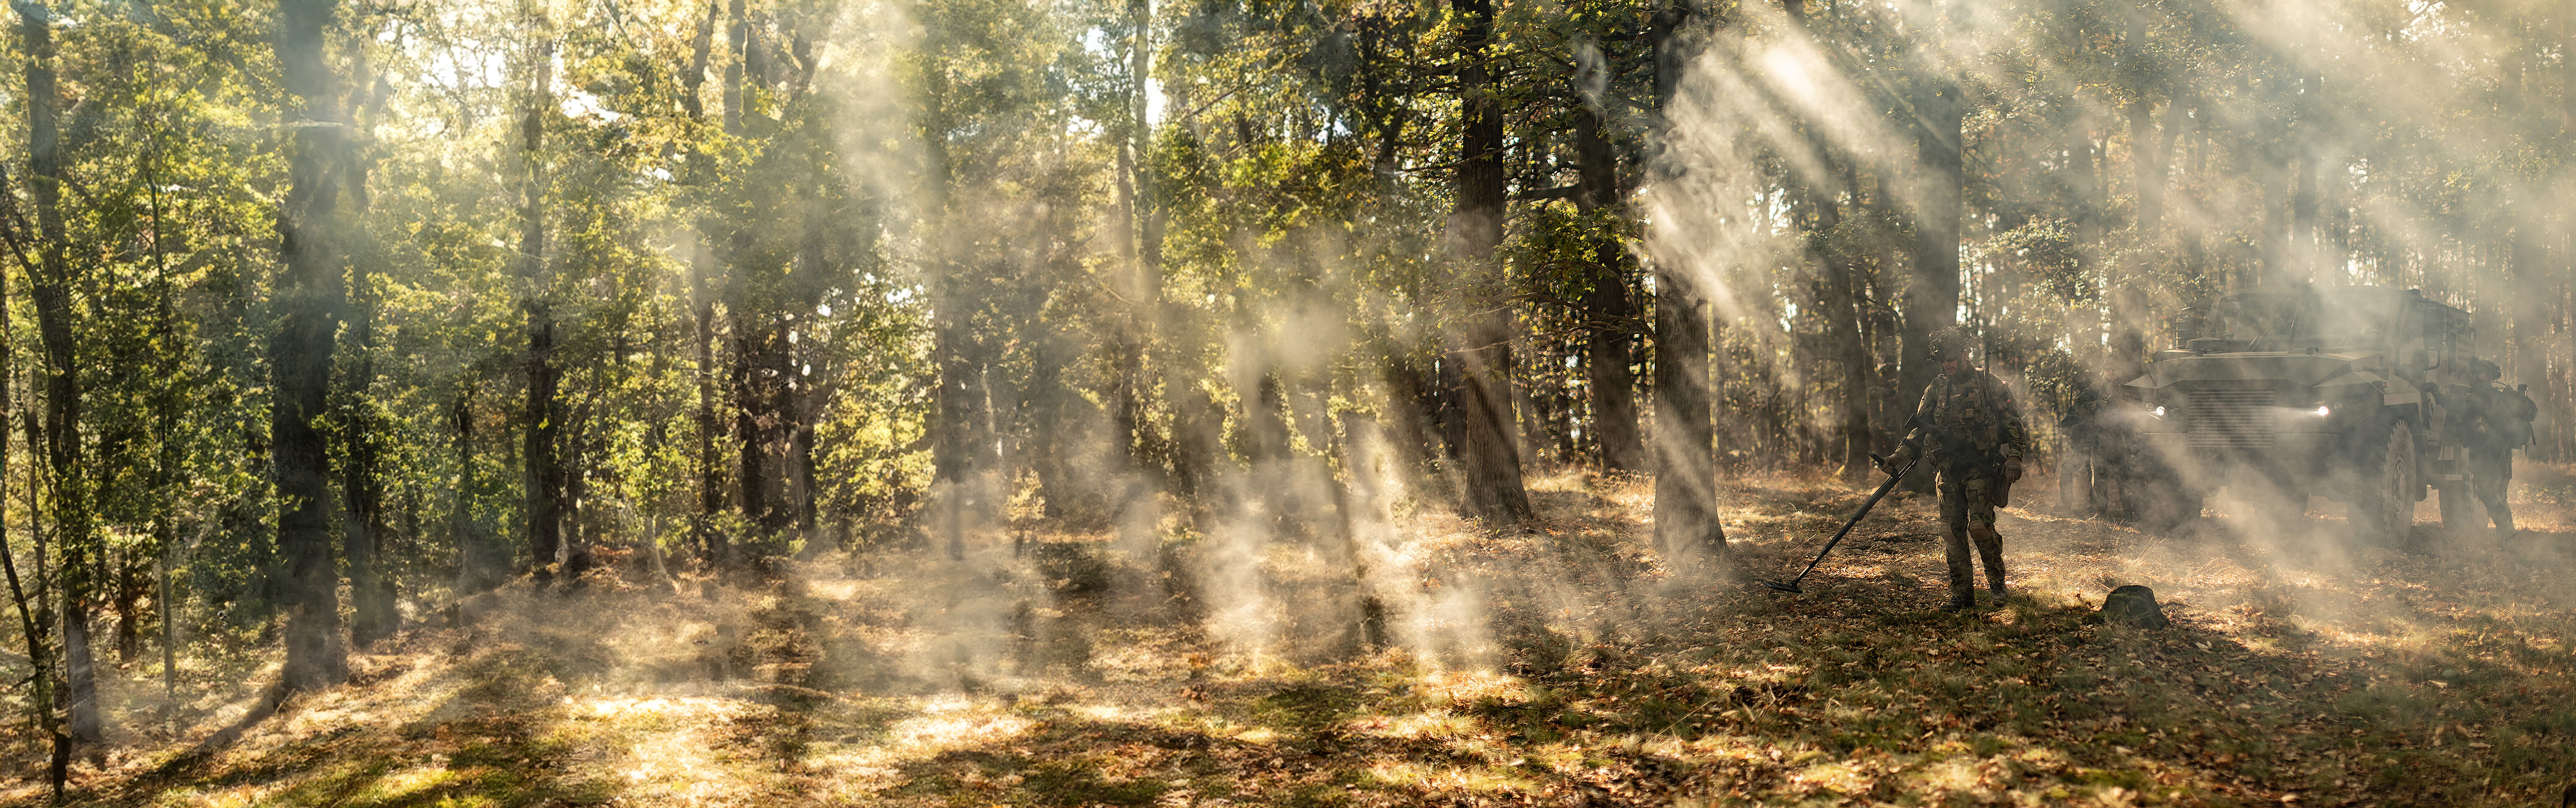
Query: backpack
{"points": [[2516, 411]]}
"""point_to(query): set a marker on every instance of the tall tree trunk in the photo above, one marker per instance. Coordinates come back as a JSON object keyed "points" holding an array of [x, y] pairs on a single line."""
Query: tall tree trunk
{"points": [[2551, 433], [800, 468], [2086, 184], [1685, 439], [478, 568], [1610, 313], [52, 288], [43, 688], [761, 418], [958, 406], [1861, 402], [168, 403], [1931, 295], [814, 273], [2303, 248], [309, 296], [712, 545], [2148, 155], [1491, 467], [738, 35], [543, 481], [1853, 343], [2151, 160], [1685, 451], [699, 46], [1847, 341], [1408, 419], [125, 589], [371, 590], [1848, 351], [1140, 293], [761, 371], [800, 401], [2530, 307]]}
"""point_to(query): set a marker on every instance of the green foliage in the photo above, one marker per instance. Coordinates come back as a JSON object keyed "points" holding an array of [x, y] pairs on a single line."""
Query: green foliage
{"points": [[857, 257]]}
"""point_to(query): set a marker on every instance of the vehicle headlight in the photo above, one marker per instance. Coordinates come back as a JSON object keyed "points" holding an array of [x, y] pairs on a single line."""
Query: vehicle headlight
{"points": [[2323, 410], [2160, 411]]}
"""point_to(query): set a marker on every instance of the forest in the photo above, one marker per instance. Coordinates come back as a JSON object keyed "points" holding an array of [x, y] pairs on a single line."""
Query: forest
{"points": [[1224, 402]]}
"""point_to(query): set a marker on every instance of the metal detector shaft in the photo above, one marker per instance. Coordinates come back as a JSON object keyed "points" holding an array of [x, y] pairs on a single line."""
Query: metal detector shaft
{"points": [[1883, 488]]}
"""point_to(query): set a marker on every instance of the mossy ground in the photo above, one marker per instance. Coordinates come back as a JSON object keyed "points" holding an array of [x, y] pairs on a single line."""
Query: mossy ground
{"points": [[1565, 667]]}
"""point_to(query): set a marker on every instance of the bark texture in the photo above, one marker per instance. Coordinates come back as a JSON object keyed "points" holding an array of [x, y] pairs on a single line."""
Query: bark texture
{"points": [[545, 480], [309, 296], [1685, 451], [51, 289], [1610, 311], [1490, 464]]}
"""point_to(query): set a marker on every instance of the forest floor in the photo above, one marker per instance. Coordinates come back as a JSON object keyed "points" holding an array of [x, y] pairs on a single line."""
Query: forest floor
{"points": [[1564, 667]]}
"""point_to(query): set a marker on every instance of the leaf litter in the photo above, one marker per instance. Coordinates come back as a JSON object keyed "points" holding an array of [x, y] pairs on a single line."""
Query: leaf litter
{"points": [[2299, 671]]}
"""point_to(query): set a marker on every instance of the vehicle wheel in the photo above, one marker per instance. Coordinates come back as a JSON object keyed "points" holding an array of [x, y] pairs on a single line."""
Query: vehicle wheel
{"points": [[2459, 510], [2383, 502]]}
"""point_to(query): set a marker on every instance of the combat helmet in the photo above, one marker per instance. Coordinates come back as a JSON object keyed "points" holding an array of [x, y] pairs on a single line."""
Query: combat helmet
{"points": [[2486, 371], [1949, 342]]}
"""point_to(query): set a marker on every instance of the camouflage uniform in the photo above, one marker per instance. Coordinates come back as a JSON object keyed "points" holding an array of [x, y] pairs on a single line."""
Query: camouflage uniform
{"points": [[1984, 446], [2499, 421], [2084, 471]]}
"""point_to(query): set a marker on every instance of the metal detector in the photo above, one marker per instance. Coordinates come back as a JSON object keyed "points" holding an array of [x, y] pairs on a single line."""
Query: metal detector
{"points": [[1791, 586]]}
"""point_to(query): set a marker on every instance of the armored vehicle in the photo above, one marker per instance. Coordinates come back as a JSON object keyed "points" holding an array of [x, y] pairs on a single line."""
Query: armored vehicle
{"points": [[2271, 396]]}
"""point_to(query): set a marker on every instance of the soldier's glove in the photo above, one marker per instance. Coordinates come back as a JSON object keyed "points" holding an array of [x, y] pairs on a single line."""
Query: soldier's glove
{"points": [[2012, 469]]}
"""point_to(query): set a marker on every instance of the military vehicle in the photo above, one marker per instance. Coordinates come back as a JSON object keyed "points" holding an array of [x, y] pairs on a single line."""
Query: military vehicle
{"points": [[2271, 396]]}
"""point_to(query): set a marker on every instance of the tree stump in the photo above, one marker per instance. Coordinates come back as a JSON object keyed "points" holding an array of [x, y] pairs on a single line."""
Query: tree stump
{"points": [[2136, 606]]}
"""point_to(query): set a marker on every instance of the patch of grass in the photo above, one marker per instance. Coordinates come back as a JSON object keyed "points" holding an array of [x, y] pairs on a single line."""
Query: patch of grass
{"points": [[1073, 783]]}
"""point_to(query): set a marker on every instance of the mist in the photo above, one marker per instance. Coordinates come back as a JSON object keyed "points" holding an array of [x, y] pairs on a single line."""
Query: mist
{"points": [[1074, 402]]}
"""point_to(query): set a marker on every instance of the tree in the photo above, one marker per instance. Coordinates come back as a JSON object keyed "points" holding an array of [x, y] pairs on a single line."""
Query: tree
{"points": [[1684, 440], [362, 423], [56, 321], [1610, 311], [310, 294], [544, 481], [1490, 464]]}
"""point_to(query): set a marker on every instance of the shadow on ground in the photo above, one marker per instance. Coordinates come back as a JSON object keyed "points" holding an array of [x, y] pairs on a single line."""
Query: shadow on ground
{"points": [[1078, 669]]}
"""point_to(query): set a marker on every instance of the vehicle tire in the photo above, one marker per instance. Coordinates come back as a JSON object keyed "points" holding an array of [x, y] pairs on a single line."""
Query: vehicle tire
{"points": [[2459, 510], [2383, 502]]}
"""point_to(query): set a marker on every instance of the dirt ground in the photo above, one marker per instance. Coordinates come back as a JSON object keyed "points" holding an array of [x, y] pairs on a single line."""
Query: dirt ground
{"points": [[1443, 665]]}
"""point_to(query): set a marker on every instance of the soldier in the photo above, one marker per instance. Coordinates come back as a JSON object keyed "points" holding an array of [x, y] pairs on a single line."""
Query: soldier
{"points": [[1975, 433], [2084, 469], [2499, 421]]}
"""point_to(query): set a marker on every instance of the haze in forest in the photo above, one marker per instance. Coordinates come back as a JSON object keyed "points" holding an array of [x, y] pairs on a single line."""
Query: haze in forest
{"points": [[326, 319]]}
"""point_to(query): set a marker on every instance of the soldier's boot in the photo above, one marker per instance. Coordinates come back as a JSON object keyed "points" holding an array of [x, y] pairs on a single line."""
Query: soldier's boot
{"points": [[1962, 571], [2498, 511], [1990, 549]]}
